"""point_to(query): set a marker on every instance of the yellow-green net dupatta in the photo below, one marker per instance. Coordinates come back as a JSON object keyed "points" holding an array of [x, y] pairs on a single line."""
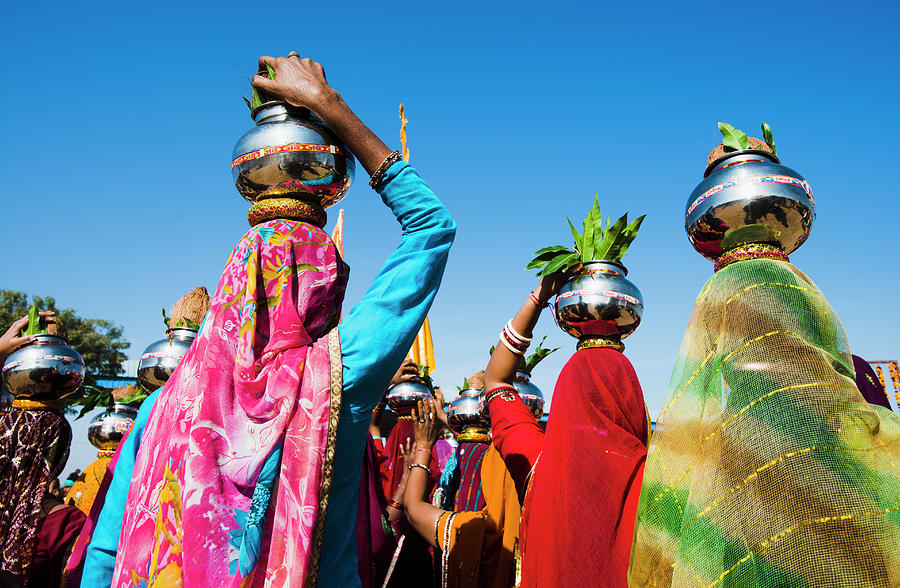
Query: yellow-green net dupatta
{"points": [[767, 468]]}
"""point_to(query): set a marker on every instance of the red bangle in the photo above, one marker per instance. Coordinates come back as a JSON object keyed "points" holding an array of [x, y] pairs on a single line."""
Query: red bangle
{"points": [[395, 504], [422, 449], [513, 342], [537, 301]]}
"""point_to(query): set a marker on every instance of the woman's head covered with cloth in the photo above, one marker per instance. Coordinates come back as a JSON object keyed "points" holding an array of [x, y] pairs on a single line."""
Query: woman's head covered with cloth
{"points": [[234, 466]]}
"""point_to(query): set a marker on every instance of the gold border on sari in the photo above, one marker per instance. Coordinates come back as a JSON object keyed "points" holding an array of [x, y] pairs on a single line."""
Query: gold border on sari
{"points": [[337, 386]]}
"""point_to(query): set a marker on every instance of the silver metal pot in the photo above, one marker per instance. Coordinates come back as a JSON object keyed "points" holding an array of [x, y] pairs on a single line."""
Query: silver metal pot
{"points": [[600, 301], [107, 429], [160, 359], [47, 369], [746, 197], [291, 153], [402, 397], [530, 394], [466, 411]]}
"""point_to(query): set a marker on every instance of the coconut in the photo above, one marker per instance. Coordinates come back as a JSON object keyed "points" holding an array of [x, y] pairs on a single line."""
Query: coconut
{"points": [[721, 149], [53, 326], [476, 380], [192, 306], [125, 392]]}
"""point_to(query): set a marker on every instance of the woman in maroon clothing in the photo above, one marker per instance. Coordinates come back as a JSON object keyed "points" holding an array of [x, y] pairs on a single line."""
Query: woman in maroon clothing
{"points": [[580, 481]]}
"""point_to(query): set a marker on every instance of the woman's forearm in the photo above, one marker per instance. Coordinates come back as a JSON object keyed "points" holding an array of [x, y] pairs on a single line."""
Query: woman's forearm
{"points": [[501, 369], [359, 139], [421, 515]]}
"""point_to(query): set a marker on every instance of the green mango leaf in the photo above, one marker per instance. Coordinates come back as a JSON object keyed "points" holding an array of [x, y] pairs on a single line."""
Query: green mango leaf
{"points": [[187, 323], [628, 235], [560, 263], [609, 239], [270, 72], [576, 235], [732, 137], [165, 317], [34, 321], [767, 137], [540, 353], [247, 102], [465, 385], [589, 237], [545, 255]]}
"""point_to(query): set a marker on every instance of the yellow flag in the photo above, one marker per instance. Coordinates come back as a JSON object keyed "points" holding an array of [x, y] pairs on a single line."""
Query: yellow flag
{"points": [[422, 351], [337, 234]]}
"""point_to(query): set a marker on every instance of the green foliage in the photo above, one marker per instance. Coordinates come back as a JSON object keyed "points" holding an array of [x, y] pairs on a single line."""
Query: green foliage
{"points": [[465, 385], [540, 353], [767, 137], [425, 376], [736, 139], [257, 96], [100, 342], [732, 137], [595, 243], [34, 322], [93, 398]]}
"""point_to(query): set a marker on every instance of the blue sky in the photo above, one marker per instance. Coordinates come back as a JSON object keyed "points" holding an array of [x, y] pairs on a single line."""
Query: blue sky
{"points": [[119, 119]]}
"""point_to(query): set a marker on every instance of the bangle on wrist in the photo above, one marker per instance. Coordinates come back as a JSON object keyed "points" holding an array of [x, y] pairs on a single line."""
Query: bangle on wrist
{"points": [[423, 449], [421, 466], [537, 301], [378, 174], [395, 504]]}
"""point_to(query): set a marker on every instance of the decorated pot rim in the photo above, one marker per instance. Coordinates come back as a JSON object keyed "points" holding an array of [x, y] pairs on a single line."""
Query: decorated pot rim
{"points": [[730, 154], [288, 109]]}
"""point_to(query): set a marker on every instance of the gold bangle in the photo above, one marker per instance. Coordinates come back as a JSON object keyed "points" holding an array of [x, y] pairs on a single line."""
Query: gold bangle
{"points": [[25, 404]]}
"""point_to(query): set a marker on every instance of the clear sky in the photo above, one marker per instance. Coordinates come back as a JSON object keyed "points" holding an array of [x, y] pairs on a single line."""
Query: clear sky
{"points": [[118, 121]]}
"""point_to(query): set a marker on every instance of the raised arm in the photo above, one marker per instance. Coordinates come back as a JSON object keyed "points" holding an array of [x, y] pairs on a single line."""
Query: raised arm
{"points": [[516, 434]]}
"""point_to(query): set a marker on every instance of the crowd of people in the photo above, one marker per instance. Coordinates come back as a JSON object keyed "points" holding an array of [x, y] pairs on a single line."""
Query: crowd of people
{"points": [[269, 457]]}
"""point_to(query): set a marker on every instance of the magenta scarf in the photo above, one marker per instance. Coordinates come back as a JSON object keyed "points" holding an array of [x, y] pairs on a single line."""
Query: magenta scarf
{"points": [[231, 481]]}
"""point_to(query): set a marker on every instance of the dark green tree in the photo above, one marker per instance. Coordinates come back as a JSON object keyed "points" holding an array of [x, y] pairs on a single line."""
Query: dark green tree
{"points": [[99, 341]]}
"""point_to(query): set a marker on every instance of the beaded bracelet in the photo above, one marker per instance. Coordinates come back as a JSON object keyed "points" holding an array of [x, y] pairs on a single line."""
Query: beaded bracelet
{"points": [[378, 174], [437, 525], [396, 505], [419, 465]]}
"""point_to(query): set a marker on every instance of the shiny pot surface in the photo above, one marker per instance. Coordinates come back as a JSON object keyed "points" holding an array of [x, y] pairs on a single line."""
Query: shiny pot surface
{"points": [[291, 153], [600, 301], [466, 411], [160, 359], [405, 395], [107, 429], [530, 394], [748, 197], [47, 369]]}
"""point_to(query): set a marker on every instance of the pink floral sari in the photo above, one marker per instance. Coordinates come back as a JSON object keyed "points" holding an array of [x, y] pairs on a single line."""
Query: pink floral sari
{"points": [[231, 481]]}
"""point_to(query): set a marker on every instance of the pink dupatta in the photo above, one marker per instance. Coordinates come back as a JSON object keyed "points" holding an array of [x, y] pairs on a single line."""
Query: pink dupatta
{"points": [[231, 481]]}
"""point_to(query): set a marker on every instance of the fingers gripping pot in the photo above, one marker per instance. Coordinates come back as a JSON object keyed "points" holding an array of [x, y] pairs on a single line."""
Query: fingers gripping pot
{"points": [[160, 359], [747, 197], [599, 306], [290, 165], [466, 417], [45, 370]]}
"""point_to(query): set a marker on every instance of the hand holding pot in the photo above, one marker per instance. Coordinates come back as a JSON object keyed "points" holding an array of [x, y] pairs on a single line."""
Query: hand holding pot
{"points": [[300, 82], [10, 340], [426, 426], [550, 285]]}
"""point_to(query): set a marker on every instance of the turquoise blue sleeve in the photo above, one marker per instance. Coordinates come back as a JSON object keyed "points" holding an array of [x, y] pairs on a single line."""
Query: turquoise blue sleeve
{"points": [[375, 336], [380, 328], [100, 559]]}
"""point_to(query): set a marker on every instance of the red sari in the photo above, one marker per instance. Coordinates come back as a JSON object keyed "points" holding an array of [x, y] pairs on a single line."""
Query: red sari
{"points": [[581, 499]]}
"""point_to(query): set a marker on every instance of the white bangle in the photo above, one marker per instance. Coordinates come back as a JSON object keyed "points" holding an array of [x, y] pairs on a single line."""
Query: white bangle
{"points": [[515, 334], [510, 347]]}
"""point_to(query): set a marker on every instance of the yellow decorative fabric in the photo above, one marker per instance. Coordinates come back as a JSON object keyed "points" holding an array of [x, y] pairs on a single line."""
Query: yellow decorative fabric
{"points": [[767, 467], [84, 490]]}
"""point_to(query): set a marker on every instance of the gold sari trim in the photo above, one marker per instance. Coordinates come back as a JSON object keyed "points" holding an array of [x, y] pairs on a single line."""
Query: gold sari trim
{"points": [[337, 386]]}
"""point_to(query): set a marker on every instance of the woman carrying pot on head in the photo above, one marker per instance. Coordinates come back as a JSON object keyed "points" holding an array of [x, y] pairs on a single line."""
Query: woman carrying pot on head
{"points": [[768, 466], [580, 481], [477, 549], [36, 529], [262, 426]]}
